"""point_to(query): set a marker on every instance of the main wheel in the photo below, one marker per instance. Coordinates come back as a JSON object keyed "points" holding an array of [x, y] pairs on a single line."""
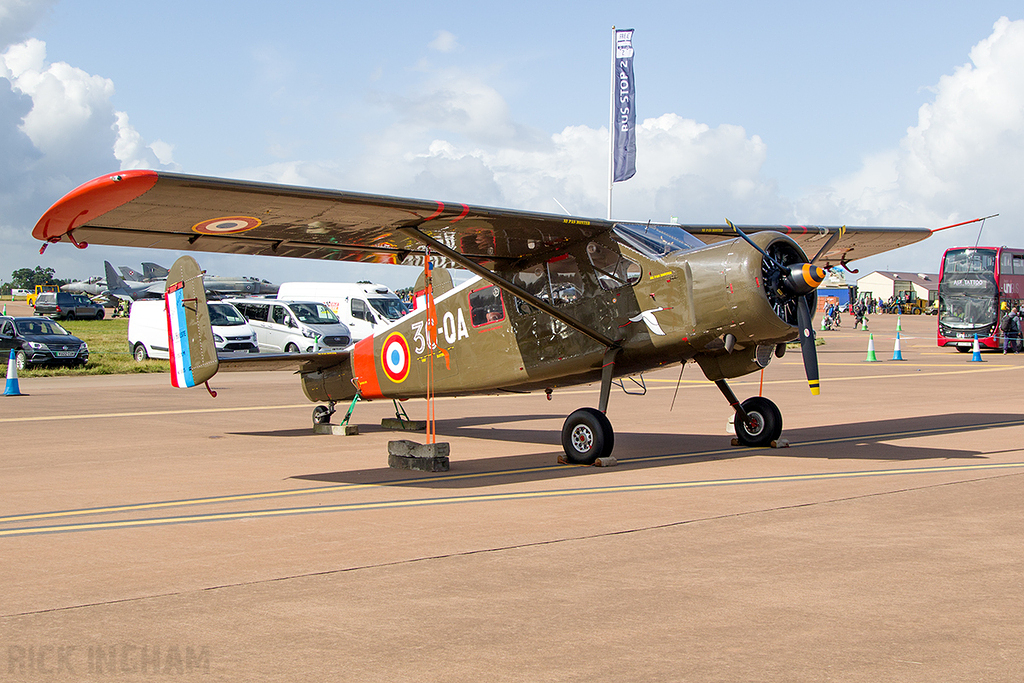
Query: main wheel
{"points": [[586, 436], [140, 353], [763, 424]]}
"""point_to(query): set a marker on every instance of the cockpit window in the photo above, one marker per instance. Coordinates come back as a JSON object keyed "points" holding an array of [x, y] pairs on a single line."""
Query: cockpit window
{"points": [[655, 241]]}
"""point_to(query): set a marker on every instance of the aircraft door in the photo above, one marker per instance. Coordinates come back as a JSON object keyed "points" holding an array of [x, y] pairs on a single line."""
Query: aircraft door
{"points": [[543, 339]]}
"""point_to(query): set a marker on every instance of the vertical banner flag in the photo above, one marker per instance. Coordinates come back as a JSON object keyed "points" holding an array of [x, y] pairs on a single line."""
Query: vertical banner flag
{"points": [[625, 108]]}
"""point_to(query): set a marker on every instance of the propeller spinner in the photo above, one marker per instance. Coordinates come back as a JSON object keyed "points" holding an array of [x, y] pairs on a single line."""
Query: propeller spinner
{"points": [[796, 282]]}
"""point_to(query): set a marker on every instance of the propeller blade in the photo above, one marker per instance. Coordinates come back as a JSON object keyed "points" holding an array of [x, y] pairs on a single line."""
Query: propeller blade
{"points": [[807, 348]]}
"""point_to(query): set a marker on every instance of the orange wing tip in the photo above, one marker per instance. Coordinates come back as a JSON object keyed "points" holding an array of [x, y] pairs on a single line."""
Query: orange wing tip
{"points": [[91, 200]]}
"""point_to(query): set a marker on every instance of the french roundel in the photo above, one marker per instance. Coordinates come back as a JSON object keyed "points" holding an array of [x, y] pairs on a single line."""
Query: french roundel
{"points": [[394, 357], [227, 225]]}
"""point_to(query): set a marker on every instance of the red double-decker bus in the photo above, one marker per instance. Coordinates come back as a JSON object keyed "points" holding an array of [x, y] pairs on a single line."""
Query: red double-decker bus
{"points": [[977, 287]]}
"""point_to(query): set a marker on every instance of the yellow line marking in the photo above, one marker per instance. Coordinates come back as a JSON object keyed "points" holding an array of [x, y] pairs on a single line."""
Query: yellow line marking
{"points": [[493, 497], [183, 411]]}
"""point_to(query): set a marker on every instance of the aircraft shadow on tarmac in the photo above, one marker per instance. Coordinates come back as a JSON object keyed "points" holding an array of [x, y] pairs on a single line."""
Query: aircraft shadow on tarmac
{"points": [[867, 441]]}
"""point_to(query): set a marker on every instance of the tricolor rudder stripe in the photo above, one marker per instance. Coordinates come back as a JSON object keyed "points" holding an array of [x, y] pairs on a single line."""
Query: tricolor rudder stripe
{"points": [[177, 336], [190, 344]]}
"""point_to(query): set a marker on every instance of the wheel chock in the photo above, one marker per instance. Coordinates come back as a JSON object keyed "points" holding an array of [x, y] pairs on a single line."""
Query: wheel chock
{"points": [[336, 430], [399, 425], [780, 443]]}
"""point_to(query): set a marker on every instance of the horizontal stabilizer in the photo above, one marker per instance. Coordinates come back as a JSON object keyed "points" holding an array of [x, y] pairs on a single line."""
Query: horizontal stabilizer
{"points": [[296, 362]]}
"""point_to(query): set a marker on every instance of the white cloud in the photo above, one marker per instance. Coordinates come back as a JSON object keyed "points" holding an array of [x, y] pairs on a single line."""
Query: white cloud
{"points": [[58, 128], [444, 42], [17, 17], [963, 159]]}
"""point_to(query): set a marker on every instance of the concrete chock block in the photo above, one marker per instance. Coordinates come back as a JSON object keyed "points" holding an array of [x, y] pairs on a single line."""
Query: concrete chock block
{"points": [[397, 425], [409, 455], [337, 430], [599, 462], [780, 443]]}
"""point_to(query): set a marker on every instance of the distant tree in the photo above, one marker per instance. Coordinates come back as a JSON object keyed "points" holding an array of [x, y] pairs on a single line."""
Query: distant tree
{"points": [[26, 278]]}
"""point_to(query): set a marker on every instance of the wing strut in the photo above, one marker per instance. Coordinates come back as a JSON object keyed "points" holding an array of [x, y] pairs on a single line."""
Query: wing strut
{"points": [[496, 279]]}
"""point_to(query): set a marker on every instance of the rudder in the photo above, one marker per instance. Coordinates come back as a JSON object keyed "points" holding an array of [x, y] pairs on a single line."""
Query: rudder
{"points": [[192, 351]]}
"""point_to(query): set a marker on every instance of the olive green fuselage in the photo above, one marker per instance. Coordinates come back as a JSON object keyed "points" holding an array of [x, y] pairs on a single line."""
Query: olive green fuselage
{"points": [[657, 311]]}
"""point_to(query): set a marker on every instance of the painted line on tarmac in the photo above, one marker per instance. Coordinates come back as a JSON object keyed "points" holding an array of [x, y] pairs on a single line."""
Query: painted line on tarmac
{"points": [[147, 413], [282, 493], [490, 497]]}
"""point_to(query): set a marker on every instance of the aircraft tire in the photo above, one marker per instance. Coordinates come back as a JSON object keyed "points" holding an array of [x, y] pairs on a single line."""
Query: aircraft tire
{"points": [[321, 415], [764, 425], [140, 353], [586, 436]]}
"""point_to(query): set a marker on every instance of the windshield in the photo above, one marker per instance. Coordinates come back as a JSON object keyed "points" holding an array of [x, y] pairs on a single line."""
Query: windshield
{"points": [[390, 308], [314, 314], [32, 327], [655, 241], [225, 315]]}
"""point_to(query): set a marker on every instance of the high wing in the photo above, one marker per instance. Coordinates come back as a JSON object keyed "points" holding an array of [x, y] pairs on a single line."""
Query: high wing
{"points": [[147, 209]]}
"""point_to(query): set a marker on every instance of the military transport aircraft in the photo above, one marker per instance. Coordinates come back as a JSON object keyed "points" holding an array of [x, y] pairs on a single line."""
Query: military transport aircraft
{"points": [[557, 300]]}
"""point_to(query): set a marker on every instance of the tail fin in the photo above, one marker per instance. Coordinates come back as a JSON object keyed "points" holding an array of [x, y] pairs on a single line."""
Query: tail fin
{"points": [[151, 271], [130, 273], [115, 284], [193, 353]]}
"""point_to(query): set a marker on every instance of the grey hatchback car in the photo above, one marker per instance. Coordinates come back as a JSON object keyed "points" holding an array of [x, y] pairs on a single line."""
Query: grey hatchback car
{"points": [[68, 306], [40, 341]]}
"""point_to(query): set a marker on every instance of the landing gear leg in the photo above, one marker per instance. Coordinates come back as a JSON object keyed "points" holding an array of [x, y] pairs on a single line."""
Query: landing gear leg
{"points": [[758, 420]]}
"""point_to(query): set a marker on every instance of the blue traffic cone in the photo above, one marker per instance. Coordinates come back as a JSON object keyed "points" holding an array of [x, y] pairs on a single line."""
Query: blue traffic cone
{"points": [[12, 377], [976, 356], [896, 354]]}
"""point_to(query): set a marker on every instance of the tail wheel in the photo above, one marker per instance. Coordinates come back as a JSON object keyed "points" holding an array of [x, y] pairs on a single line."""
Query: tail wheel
{"points": [[321, 415], [763, 424], [586, 436]]}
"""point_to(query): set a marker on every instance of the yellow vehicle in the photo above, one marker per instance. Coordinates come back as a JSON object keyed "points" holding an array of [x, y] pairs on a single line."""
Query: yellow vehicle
{"points": [[31, 298]]}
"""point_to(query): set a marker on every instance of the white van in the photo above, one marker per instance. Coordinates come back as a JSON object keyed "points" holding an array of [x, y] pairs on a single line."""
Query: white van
{"points": [[147, 329], [362, 306], [294, 326]]}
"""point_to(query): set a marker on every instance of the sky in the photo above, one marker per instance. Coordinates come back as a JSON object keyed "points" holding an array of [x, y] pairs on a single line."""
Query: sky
{"points": [[877, 113]]}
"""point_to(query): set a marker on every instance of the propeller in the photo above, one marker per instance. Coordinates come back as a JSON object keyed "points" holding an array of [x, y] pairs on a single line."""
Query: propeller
{"points": [[796, 281]]}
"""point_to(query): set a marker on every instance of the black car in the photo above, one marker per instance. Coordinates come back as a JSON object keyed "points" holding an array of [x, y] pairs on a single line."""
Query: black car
{"points": [[40, 341], [69, 306]]}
